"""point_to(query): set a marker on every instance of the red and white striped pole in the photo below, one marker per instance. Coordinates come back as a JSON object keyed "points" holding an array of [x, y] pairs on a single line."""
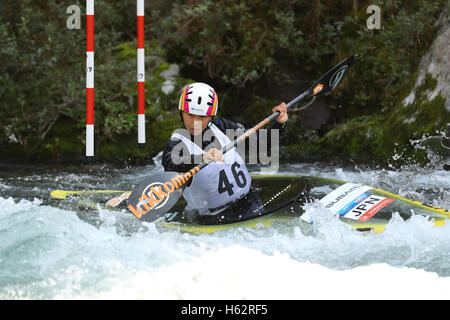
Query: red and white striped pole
{"points": [[89, 78], [141, 71]]}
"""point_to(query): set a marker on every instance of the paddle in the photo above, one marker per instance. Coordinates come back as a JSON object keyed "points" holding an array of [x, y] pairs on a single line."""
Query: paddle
{"points": [[157, 194]]}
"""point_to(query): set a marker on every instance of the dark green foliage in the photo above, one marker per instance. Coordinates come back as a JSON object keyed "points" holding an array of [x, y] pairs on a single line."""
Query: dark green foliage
{"points": [[255, 53], [42, 81], [389, 136]]}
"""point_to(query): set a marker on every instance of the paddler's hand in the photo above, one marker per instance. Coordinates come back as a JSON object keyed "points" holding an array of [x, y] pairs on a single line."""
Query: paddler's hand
{"points": [[282, 109], [214, 155]]}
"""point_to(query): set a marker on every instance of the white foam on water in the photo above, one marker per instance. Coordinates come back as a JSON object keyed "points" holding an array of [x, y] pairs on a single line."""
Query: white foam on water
{"points": [[9, 206], [50, 253], [3, 187], [237, 272]]}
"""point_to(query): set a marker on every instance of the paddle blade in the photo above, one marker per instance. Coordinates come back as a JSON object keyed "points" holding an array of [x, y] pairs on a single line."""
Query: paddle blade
{"points": [[332, 78], [156, 195], [114, 202]]}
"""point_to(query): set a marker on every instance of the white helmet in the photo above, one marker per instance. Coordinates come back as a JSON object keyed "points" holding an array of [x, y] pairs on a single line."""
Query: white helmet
{"points": [[200, 99]]}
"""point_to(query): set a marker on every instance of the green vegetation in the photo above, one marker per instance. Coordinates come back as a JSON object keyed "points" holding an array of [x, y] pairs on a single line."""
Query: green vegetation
{"points": [[388, 135], [255, 53]]}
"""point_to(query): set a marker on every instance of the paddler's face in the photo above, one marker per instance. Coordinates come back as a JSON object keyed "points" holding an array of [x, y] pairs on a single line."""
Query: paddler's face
{"points": [[194, 123]]}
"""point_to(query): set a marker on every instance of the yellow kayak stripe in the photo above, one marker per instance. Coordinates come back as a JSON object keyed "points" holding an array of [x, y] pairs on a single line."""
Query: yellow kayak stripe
{"points": [[376, 227], [379, 227], [371, 225], [415, 203], [265, 221], [63, 194]]}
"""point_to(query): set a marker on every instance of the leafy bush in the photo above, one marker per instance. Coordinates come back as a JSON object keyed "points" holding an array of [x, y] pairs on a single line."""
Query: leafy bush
{"points": [[42, 75], [252, 52]]}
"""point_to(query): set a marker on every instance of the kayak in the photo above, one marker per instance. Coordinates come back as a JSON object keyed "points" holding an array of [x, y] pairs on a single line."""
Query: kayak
{"points": [[284, 198], [281, 198]]}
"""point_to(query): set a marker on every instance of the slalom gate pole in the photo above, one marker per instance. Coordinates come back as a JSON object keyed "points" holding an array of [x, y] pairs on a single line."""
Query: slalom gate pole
{"points": [[141, 71], [89, 78], [90, 17]]}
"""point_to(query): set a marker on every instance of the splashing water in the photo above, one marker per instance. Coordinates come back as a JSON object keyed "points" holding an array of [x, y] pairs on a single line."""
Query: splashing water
{"points": [[48, 252]]}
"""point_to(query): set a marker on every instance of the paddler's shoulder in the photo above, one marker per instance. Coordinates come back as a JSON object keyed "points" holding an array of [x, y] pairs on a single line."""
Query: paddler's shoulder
{"points": [[174, 140]]}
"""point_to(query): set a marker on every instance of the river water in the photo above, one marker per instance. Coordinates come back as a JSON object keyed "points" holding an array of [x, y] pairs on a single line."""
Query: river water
{"points": [[48, 252]]}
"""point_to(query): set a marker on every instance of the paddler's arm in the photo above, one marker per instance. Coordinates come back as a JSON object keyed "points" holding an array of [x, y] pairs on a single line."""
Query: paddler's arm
{"points": [[183, 163], [224, 125], [187, 162], [279, 126], [238, 129], [283, 116]]}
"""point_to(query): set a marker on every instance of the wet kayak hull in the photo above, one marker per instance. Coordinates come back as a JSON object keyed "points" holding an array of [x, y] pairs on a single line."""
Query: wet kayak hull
{"points": [[281, 198]]}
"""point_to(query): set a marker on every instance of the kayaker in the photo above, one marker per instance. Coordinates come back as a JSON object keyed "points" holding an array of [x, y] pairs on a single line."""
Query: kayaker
{"points": [[202, 136]]}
